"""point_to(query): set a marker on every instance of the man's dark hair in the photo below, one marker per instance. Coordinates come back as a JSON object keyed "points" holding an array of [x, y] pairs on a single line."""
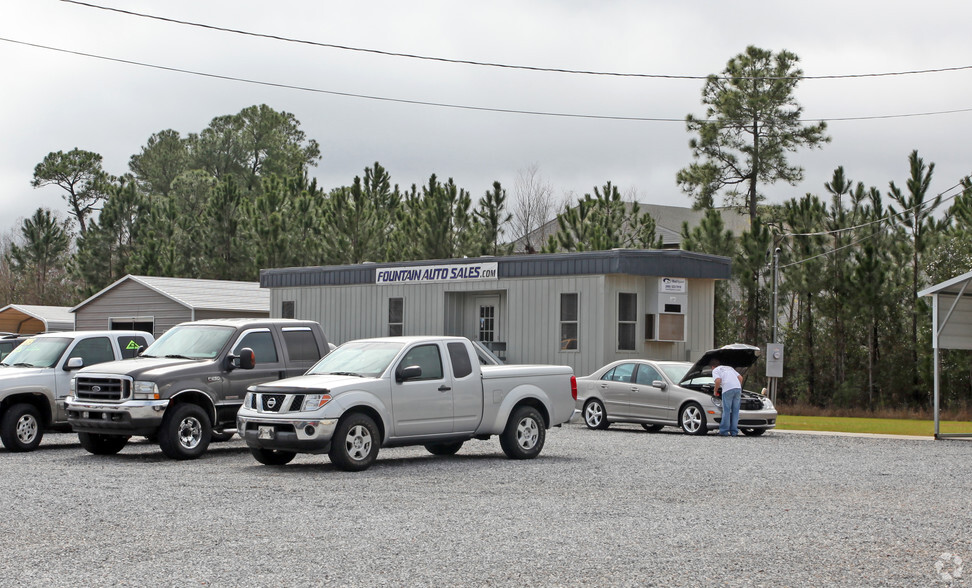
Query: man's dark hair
{"points": [[714, 362]]}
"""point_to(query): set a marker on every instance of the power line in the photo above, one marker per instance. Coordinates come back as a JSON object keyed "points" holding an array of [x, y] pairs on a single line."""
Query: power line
{"points": [[423, 102], [503, 65]]}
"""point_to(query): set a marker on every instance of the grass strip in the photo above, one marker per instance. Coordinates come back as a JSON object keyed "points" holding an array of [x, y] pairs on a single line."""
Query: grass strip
{"points": [[870, 425]]}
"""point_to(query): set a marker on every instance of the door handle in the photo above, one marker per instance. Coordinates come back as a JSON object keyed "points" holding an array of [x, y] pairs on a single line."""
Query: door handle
{"points": [[444, 388]]}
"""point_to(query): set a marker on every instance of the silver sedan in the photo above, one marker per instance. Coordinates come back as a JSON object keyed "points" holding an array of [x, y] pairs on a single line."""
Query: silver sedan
{"points": [[671, 393]]}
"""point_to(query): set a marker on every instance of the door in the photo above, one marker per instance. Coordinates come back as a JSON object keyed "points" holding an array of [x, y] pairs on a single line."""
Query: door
{"points": [[467, 389], [615, 388], [648, 401], [423, 405], [269, 366], [487, 319]]}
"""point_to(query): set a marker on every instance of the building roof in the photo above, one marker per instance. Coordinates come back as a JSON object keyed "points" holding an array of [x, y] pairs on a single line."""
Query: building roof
{"points": [[200, 294], [668, 224], [656, 262], [53, 318]]}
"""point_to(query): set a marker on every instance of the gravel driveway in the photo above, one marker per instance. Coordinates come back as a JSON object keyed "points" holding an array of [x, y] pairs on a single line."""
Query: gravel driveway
{"points": [[620, 507]]}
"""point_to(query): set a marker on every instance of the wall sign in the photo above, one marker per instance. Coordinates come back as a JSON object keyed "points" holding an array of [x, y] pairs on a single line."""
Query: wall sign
{"points": [[426, 274], [672, 285]]}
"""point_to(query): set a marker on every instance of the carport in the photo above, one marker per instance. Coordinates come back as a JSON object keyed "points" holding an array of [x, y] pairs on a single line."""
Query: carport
{"points": [[30, 319], [952, 327]]}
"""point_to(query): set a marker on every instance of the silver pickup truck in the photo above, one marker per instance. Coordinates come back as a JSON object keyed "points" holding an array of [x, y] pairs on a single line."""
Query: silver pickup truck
{"points": [[395, 391]]}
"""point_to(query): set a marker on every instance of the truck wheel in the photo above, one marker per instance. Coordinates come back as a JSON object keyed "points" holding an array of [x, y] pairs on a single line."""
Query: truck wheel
{"points": [[221, 436], [20, 428], [524, 434], [355, 444], [185, 432], [272, 457], [443, 448], [102, 444]]}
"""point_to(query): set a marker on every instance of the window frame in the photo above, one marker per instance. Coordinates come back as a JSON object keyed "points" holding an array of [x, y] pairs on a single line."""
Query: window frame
{"points": [[273, 339], [631, 323], [389, 323], [576, 322]]}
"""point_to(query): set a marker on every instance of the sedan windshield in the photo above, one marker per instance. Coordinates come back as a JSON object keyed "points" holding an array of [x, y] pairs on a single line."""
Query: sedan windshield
{"points": [[39, 352], [368, 359], [191, 342], [677, 371]]}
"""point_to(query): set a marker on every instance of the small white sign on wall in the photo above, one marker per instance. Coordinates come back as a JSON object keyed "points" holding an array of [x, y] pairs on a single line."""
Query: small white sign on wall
{"points": [[672, 285]]}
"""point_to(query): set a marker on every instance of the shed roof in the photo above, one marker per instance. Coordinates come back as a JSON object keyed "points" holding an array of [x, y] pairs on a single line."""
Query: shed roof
{"points": [[200, 294], [52, 318], [655, 262]]}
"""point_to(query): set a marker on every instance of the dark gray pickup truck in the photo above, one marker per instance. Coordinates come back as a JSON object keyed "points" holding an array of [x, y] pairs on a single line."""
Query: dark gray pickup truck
{"points": [[185, 389]]}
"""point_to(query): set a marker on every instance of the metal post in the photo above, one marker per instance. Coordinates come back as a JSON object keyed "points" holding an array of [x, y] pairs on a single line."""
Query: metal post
{"points": [[776, 315], [935, 332]]}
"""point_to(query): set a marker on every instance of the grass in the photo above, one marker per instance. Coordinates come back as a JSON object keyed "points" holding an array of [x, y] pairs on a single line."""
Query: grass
{"points": [[881, 426]]}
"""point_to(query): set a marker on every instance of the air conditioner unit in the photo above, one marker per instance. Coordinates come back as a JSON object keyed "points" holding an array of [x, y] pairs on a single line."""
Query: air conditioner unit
{"points": [[669, 327]]}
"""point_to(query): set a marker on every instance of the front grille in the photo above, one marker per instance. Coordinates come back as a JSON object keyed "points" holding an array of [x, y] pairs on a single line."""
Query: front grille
{"points": [[272, 402], [102, 388], [298, 403], [750, 404]]}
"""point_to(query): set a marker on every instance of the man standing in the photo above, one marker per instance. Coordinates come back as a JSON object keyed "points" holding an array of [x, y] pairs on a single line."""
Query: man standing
{"points": [[731, 383]]}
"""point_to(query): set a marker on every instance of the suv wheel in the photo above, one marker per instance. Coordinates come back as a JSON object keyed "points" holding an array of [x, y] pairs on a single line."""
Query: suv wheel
{"points": [[20, 428], [186, 432]]}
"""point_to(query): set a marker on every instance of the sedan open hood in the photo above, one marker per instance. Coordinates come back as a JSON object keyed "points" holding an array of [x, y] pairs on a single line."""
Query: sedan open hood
{"points": [[738, 356]]}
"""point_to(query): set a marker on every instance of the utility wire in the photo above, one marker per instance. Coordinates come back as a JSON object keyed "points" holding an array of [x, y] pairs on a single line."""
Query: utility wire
{"points": [[417, 102], [504, 65]]}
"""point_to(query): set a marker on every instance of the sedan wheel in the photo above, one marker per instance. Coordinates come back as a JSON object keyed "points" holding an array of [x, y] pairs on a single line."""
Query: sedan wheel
{"points": [[753, 432], [692, 420], [594, 415]]}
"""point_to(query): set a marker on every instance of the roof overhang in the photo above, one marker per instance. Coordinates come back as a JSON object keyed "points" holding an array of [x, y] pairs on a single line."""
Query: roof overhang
{"points": [[29, 319]]}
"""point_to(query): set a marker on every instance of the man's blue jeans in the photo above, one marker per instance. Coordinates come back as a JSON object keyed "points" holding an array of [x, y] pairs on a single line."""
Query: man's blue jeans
{"points": [[729, 425]]}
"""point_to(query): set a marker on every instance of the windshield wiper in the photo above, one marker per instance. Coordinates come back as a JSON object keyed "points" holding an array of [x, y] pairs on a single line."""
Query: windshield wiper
{"points": [[22, 364], [345, 374], [176, 356]]}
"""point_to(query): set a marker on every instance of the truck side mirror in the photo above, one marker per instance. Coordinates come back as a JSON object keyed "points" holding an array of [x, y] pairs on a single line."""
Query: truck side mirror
{"points": [[408, 373], [73, 364], [246, 360]]}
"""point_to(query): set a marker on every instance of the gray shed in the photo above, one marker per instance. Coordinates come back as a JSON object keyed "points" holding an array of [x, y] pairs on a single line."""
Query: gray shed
{"points": [[156, 304], [30, 319], [578, 309]]}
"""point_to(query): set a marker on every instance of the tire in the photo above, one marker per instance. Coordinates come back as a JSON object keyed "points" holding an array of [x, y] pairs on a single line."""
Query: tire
{"points": [[221, 436], [185, 432], [595, 417], [102, 444], [354, 446], [443, 448], [692, 419], [272, 457], [753, 432], [652, 428], [21, 428], [524, 434]]}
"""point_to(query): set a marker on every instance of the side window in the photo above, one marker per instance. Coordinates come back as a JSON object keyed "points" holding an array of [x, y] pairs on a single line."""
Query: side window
{"points": [[129, 345], [301, 345], [621, 373], [627, 321], [287, 309], [396, 317], [261, 342], [646, 375], [94, 350], [461, 366], [426, 357], [568, 322]]}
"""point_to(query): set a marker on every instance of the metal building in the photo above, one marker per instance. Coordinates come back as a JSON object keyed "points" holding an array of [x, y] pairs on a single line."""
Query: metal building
{"points": [[156, 304], [578, 309], [30, 319]]}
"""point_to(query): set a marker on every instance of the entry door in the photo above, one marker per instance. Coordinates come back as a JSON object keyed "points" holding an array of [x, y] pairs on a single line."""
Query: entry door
{"points": [[487, 318]]}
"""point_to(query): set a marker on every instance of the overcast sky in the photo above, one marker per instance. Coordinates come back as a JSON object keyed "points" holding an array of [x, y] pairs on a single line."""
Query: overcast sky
{"points": [[55, 101]]}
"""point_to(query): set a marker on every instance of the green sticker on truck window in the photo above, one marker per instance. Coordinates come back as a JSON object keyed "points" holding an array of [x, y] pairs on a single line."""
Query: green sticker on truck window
{"points": [[132, 345]]}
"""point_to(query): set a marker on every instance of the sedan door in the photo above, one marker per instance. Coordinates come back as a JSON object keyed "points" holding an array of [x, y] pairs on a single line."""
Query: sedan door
{"points": [[649, 401], [615, 389]]}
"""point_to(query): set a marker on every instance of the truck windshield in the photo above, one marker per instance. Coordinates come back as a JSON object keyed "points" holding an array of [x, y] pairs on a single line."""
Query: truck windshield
{"points": [[367, 359], [191, 341], [38, 352]]}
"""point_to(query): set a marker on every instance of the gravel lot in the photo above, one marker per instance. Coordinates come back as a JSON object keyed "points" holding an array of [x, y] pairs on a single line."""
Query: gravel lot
{"points": [[620, 507]]}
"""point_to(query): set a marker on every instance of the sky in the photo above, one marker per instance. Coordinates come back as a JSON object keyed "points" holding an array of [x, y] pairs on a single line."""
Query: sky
{"points": [[56, 101]]}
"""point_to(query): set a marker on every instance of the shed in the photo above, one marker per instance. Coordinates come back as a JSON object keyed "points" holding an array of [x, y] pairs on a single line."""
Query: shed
{"points": [[579, 309], [951, 327], [156, 304], [30, 319]]}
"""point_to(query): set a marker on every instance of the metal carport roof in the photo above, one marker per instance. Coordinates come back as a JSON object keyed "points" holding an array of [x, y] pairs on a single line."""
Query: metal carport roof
{"points": [[30, 319], [951, 326]]}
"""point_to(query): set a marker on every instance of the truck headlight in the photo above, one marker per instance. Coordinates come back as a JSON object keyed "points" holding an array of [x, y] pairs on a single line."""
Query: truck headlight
{"points": [[315, 401], [71, 387], [145, 391]]}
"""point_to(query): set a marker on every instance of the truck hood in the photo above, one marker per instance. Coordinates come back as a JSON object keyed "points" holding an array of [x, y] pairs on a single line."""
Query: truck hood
{"points": [[144, 367], [10, 376], [331, 382], [738, 356]]}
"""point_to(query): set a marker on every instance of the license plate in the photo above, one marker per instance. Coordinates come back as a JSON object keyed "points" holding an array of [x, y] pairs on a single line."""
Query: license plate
{"points": [[265, 433]]}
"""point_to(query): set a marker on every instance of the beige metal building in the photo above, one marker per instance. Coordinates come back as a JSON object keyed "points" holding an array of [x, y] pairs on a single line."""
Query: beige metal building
{"points": [[578, 309], [29, 319], [156, 304]]}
